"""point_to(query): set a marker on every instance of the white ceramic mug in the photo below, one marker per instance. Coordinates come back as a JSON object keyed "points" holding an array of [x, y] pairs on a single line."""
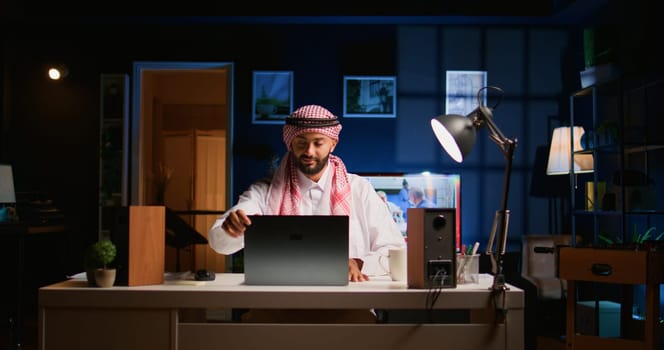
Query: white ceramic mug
{"points": [[397, 263]]}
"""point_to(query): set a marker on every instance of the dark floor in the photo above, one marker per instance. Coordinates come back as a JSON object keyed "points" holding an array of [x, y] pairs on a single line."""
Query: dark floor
{"points": [[549, 343], [28, 340]]}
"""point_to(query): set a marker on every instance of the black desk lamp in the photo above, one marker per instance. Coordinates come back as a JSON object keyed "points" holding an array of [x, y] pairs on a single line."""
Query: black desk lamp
{"points": [[457, 135]]}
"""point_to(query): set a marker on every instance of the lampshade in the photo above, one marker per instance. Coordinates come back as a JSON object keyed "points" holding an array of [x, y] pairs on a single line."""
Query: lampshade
{"points": [[455, 133], [560, 154], [7, 194]]}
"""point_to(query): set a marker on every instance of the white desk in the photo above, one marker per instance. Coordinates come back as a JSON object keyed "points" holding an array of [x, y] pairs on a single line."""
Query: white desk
{"points": [[73, 316]]}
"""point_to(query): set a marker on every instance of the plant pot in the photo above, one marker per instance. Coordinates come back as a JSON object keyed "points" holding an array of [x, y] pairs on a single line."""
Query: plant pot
{"points": [[105, 277]]}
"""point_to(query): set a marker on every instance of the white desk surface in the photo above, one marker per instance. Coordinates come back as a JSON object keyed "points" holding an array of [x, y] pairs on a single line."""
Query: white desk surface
{"points": [[71, 314], [229, 290]]}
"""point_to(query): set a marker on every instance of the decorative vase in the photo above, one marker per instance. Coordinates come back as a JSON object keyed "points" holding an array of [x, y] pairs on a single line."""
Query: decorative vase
{"points": [[105, 277]]}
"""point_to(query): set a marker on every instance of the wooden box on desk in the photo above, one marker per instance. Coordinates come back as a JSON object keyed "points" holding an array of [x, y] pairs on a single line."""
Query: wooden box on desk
{"points": [[139, 232]]}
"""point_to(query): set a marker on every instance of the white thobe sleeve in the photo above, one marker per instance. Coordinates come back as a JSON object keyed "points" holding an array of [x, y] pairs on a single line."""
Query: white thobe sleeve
{"points": [[252, 201], [373, 230]]}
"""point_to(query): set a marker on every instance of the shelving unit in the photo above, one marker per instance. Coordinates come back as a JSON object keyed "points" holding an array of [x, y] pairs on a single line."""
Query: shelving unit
{"points": [[620, 119], [628, 151], [113, 146]]}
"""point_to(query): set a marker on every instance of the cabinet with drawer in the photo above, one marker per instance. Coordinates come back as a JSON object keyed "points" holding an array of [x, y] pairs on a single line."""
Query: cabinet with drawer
{"points": [[625, 268]]}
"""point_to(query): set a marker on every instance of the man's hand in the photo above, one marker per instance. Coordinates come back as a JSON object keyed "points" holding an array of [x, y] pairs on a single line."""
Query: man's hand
{"points": [[236, 222], [355, 271]]}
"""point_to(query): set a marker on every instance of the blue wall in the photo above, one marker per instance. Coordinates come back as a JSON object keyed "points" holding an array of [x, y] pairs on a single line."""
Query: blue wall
{"points": [[50, 131], [536, 65], [526, 62]]}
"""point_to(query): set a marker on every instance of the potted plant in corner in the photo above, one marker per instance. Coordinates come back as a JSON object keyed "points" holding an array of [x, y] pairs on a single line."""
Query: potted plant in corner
{"points": [[645, 240], [98, 259]]}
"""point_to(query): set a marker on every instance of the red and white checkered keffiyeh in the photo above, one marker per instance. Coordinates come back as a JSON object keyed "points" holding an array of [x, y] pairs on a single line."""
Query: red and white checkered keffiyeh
{"points": [[284, 194], [311, 113]]}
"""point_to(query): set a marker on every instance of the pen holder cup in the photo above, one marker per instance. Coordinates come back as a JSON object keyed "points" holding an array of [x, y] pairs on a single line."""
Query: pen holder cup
{"points": [[468, 269]]}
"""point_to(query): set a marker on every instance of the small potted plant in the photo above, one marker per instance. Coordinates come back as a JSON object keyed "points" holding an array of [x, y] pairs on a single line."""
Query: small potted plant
{"points": [[646, 240], [98, 259]]}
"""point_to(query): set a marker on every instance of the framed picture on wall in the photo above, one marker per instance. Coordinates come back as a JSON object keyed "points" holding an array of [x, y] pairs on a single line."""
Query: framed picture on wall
{"points": [[370, 96], [272, 96], [461, 91]]}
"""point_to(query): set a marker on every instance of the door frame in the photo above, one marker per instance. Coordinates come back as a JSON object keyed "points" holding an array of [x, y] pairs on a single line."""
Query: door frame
{"points": [[136, 172]]}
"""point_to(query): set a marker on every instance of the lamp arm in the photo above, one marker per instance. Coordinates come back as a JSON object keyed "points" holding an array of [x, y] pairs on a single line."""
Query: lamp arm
{"points": [[502, 215], [499, 228], [506, 188], [505, 143], [501, 220]]}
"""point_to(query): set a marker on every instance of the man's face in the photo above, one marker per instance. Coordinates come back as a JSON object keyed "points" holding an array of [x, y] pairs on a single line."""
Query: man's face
{"points": [[311, 152]]}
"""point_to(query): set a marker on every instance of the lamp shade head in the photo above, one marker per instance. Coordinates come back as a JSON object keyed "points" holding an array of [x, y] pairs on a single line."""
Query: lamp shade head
{"points": [[456, 134], [7, 194], [560, 153]]}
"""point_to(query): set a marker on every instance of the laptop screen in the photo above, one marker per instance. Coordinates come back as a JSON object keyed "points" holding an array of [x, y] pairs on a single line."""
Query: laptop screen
{"points": [[296, 250]]}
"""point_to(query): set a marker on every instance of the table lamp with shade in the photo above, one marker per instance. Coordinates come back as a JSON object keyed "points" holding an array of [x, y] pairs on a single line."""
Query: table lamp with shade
{"points": [[457, 135], [564, 140], [7, 194], [566, 155]]}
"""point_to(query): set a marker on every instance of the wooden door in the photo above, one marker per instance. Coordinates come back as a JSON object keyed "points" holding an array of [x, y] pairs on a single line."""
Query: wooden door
{"points": [[178, 157], [198, 183], [209, 191]]}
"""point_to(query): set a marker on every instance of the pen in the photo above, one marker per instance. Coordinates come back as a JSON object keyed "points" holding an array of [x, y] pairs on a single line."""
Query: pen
{"points": [[475, 247]]}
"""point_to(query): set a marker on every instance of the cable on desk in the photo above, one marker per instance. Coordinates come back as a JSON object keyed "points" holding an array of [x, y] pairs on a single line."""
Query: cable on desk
{"points": [[499, 304], [434, 291]]}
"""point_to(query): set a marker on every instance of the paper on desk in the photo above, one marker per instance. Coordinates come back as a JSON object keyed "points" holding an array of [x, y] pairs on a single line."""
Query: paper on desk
{"points": [[186, 282], [78, 276], [180, 278], [173, 276]]}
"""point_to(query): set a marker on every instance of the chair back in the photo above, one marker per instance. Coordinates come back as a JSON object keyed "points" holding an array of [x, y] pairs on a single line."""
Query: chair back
{"points": [[539, 263]]}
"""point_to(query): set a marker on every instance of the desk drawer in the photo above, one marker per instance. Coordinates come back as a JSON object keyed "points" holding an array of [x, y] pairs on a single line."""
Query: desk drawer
{"points": [[603, 265]]}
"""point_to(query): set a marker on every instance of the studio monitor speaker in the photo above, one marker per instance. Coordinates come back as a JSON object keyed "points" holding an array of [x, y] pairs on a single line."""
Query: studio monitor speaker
{"points": [[431, 247], [139, 233]]}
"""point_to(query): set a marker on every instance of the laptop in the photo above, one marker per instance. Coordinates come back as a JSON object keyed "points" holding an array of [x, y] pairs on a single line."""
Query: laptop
{"points": [[296, 250]]}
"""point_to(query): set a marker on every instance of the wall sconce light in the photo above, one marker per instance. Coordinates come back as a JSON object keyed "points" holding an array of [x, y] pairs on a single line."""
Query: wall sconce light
{"points": [[57, 72], [457, 134]]}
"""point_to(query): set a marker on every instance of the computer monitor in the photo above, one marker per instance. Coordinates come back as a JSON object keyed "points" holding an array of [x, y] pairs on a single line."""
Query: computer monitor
{"points": [[438, 190]]}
